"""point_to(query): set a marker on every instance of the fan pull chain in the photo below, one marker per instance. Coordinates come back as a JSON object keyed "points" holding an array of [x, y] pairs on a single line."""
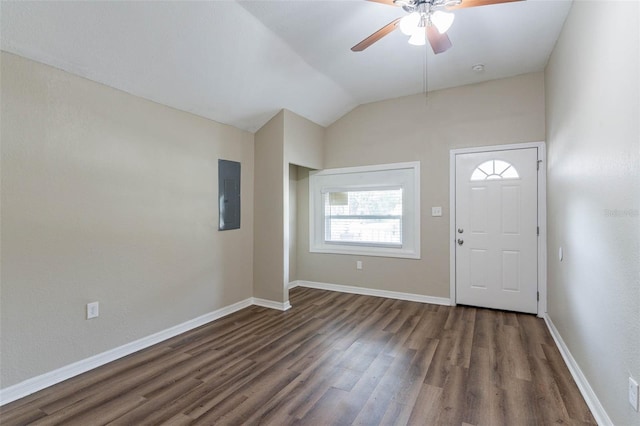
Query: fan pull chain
{"points": [[425, 77]]}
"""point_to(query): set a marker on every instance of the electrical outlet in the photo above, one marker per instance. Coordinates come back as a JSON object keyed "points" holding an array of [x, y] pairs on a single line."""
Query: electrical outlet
{"points": [[93, 310], [633, 393], [358, 264]]}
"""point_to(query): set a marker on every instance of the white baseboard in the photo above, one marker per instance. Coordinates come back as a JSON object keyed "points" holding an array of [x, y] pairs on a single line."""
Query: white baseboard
{"points": [[372, 292], [293, 284], [587, 392], [281, 306], [45, 380]]}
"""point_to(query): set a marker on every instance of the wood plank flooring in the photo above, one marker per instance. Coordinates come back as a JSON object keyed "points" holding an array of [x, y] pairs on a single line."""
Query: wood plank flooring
{"points": [[333, 358]]}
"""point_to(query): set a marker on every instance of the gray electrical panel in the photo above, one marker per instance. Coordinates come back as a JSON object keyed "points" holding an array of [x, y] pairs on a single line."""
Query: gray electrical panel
{"points": [[229, 194]]}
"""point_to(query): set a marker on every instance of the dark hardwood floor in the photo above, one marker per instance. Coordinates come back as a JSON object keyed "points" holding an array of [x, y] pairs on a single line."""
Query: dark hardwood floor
{"points": [[332, 359]]}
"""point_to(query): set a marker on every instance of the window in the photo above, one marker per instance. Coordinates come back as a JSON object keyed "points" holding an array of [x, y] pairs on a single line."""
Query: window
{"points": [[364, 217], [372, 210], [495, 169]]}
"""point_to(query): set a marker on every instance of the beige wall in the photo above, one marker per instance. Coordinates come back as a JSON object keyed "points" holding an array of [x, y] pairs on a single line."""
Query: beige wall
{"points": [[593, 135], [302, 221], [293, 222], [304, 141], [304, 148], [286, 139], [425, 129], [268, 249], [111, 198]]}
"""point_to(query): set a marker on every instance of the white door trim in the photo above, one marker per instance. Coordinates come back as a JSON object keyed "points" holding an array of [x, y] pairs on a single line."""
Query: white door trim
{"points": [[542, 215]]}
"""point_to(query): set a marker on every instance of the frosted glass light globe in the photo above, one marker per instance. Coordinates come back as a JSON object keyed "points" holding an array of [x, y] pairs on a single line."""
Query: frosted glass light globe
{"points": [[419, 37], [409, 23], [441, 20]]}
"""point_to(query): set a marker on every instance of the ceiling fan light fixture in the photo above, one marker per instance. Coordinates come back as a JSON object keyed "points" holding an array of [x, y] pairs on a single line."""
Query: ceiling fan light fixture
{"points": [[419, 37], [452, 3], [442, 20], [409, 23], [432, 23]]}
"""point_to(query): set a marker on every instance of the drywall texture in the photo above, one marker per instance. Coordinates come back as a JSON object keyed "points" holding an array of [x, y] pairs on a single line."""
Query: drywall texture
{"points": [[303, 148], [111, 198], [286, 139], [269, 199], [293, 222], [423, 129], [303, 141], [593, 135]]}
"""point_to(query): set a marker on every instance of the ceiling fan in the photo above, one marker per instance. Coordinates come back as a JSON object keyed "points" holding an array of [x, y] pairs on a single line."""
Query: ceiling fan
{"points": [[426, 21]]}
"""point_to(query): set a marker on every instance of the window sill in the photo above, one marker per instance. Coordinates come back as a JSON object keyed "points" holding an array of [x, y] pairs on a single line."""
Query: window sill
{"points": [[366, 251]]}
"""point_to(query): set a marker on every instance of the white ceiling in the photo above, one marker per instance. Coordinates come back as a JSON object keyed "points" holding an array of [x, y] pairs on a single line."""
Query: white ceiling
{"points": [[240, 62]]}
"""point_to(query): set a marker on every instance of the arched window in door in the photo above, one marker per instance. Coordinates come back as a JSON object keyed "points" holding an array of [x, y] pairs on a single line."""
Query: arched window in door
{"points": [[495, 169]]}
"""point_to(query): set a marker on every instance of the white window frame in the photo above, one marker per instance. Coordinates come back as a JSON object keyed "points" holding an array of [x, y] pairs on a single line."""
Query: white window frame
{"points": [[396, 175]]}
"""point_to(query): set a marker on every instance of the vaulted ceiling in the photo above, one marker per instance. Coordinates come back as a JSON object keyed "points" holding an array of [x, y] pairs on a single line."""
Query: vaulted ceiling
{"points": [[239, 62]]}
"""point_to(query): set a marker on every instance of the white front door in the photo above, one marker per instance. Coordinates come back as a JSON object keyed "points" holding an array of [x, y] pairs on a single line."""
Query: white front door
{"points": [[496, 224]]}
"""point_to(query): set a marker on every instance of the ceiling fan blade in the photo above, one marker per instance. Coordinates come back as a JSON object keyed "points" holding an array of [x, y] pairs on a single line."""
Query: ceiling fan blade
{"points": [[439, 42], [376, 36], [476, 3], [387, 2]]}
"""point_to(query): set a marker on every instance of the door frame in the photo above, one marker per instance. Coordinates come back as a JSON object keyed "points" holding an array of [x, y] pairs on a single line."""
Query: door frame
{"points": [[542, 215]]}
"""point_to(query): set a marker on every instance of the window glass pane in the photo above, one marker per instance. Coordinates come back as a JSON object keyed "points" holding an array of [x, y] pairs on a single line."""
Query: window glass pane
{"points": [[510, 173], [487, 167], [364, 217], [500, 166], [478, 175], [494, 169]]}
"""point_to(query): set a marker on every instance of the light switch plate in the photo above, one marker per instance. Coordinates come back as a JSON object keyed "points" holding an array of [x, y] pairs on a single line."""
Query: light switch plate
{"points": [[436, 211], [633, 393], [93, 310]]}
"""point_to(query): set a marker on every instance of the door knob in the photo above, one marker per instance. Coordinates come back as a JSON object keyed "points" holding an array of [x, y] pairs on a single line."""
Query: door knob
{"points": [[460, 230], [460, 241]]}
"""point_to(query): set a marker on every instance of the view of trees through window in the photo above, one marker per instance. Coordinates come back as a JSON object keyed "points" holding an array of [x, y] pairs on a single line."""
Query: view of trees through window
{"points": [[367, 216]]}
